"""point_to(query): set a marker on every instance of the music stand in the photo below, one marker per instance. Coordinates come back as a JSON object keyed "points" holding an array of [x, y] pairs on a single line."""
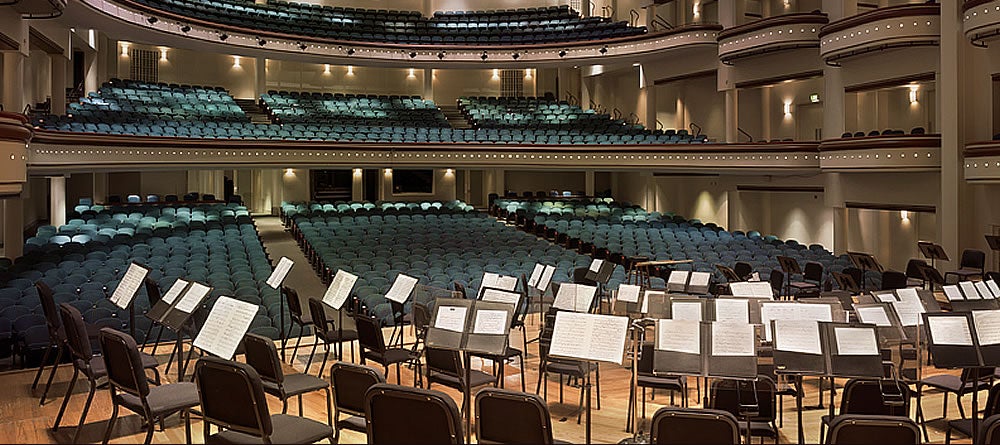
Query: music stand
{"points": [[865, 262], [797, 362], [994, 242], [935, 252], [930, 274]]}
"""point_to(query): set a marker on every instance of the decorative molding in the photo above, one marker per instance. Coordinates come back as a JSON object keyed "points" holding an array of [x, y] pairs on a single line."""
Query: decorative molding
{"points": [[981, 21], [903, 152], [881, 29], [772, 34]]}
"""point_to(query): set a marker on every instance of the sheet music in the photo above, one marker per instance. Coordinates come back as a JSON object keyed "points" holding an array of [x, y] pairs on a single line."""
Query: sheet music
{"points": [[756, 277], [451, 318], [536, 274], [952, 293], [797, 336], [856, 341], [192, 298], [908, 309], [506, 283], [340, 288], [984, 290], [885, 297], [699, 280], [645, 299], [679, 336], [501, 296], [129, 285], [732, 309], [873, 315], [969, 290], [589, 337], [543, 282], [732, 339], [225, 327], [685, 310], [401, 288], [751, 289], [678, 277], [490, 279], [907, 292], [792, 311], [628, 293], [595, 266], [987, 325], [490, 322], [994, 288], [280, 272], [174, 291], [574, 297], [949, 331]]}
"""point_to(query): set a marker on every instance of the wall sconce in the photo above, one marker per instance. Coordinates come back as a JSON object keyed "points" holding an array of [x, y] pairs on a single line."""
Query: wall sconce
{"points": [[904, 215], [496, 74], [388, 172], [411, 74], [357, 172], [913, 94], [350, 70], [289, 172], [527, 73], [326, 68], [788, 109], [449, 172], [696, 9], [236, 61], [163, 54], [125, 46]]}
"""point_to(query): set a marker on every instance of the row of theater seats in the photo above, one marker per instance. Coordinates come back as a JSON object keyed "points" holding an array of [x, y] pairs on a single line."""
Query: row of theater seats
{"points": [[153, 198], [83, 261], [439, 243], [886, 132], [603, 224], [122, 101], [528, 26], [346, 110]]}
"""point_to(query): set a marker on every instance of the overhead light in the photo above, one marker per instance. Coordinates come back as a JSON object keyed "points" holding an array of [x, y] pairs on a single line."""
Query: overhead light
{"points": [[261, 42], [326, 68], [350, 51], [913, 94], [236, 61], [562, 53], [788, 109], [125, 46], [636, 64], [449, 171], [527, 73], [357, 172], [604, 49], [814, 98], [223, 37], [441, 55], [411, 73], [516, 56], [388, 172], [289, 172], [152, 20], [904, 215], [185, 28], [496, 73], [302, 46], [163, 54], [413, 54], [484, 56]]}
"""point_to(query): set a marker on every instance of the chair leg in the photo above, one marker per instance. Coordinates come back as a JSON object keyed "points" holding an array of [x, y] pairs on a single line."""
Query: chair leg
{"points": [[187, 426], [41, 366], [69, 392], [598, 378], [920, 413], [52, 374], [522, 370], [149, 433], [397, 374], [644, 402], [296, 348], [326, 355], [111, 423], [284, 406], [311, 354], [300, 406], [329, 408], [958, 401], [579, 411], [86, 407]]}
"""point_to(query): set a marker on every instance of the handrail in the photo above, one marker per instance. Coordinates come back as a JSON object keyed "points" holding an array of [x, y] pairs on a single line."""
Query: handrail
{"points": [[659, 125], [594, 105], [633, 17], [659, 20], [692, 126], [27, 110], [636, 120], [571, 99], [616, 114], [749, 138]]}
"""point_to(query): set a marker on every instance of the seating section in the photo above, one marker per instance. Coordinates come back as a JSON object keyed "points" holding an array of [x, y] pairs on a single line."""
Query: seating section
{"points": [[83, 261], [547, 120], [623, 230], [439, 243], [347, 110], [886, 132], [500, 27]]}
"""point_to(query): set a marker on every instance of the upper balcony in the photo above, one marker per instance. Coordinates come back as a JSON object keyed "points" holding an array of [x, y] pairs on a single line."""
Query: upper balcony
{"points": [[896, 152], [783, 32], [881, 29], [981, 20], [982, 161]]}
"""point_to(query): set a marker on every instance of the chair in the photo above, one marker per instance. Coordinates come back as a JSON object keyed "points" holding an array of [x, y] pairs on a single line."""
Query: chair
{"points": [[129, 388], [951, 384], [350, 382], [263, 357], [914, 277], [445, 367], [328, 334], [989, 431], [973, 264], [372, 345], [866, 397], [743, 269], [865, 429], [893, 279], [691, 426], [510, 417], [297, 318], [646, 379], [728, 395], [964, 426], [401, 415]]}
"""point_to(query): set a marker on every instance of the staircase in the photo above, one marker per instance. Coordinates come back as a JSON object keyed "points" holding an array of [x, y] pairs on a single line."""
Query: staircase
{"points": [[256, 114], [455, 117]]}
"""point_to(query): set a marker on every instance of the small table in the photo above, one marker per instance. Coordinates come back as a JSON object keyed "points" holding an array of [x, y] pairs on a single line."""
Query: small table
{"points": [[641, 270]]}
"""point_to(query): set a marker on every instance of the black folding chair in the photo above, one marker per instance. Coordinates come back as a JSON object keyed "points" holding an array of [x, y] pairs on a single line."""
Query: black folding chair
{"points": [[860, 429], [510, 417], [350, 382], [402, 415], [262, 355], [693, 426]]}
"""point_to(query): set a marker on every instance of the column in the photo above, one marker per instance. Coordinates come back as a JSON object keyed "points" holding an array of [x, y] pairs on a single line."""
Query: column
{"points": [[428, 83], [13, 81], [466, 186], [732, 116], [13, 227], [91, 82], [100, 187], [357, 185], [648, 92], [585, 6], [260, 76], [57, 200], [765, 115], [58, 84], [953, 45], [729, 13], [588, 182], [833, 102]]}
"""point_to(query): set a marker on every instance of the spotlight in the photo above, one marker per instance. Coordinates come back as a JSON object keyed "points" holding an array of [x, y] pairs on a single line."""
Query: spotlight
{"points": [[484, 56], [223, 37], [562, 53], [413, 54], [441, 55], [350, 51], [261, 42], [185, 28], [516, 56], [152, 20], [302, 46], [604, 49]]}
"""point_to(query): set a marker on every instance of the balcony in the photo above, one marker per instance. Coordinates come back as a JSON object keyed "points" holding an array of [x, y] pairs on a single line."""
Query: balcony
{"points": [[779, 33], [981, 21], [872, 153], [982, 161], [879, 30], [14, 137]]}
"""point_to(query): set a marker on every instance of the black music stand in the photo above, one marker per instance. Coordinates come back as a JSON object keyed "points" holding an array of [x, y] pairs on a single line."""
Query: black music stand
{"points": [[994, 242], [934, 252], [865, 262], [930, 274]]}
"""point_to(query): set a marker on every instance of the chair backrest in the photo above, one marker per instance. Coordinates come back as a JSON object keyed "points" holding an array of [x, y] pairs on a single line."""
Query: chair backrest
{"points": [[865, 397], [728, 395], [76, 333], [777, 280], [743, 269], [459, 287], [862, 429], [813, 271], [506, 416], [232, 396], [350, 382], [49, 309], [443, 361], [913, 268], [893, 279], [973, 258], [262, 355], [403, 415], [989, 431], [294, 304], [369, 334], [580, 276], [690, 426], [124, 364], [318, 315], [421, 316]]}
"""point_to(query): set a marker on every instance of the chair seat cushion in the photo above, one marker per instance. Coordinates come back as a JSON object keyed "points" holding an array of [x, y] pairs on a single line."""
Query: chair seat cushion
{"points": [[951, 383], [963, 426], [286, 429], [354, 423], [390, 356], [164, 399], [671, 383], [296, 384], [335, 336], [477, 378], [570, 369]]}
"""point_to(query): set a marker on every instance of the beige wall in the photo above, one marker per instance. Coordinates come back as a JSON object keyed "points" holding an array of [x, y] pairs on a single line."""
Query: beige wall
{"points": [[449, 85], [520, 181], [198, 68], [298, 76], [680, 103]]}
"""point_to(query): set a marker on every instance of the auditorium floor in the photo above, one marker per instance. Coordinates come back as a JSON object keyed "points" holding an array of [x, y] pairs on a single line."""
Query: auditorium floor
{"points": [[27, 422]]}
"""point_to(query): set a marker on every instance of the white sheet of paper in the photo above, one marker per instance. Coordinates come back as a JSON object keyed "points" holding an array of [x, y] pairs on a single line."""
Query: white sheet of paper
{"points": [[192, 297], [952, 293], [987, 326], [225, 326], [907, 292], [678, 277], [645, 299], [628, 293], [595, 266], [685, 310], [543, 283], [451, 318], [340, 288], [536, 274], [755, 277], [401, 288], [506, 283], [501, 296], [885, 297], [679, 336], [792, 311], [908, 309], [856, 341], [741, 289], [797, 336], [984, 290], [994, 288], [565, 297], [129, 285], [732, 339], [589, 337], [699, 280], [280, 272], [490, 322], [174, 291], [949, 330], [490, 279], [762, 289], [873, 315], [969, 289], [732, 309]]}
